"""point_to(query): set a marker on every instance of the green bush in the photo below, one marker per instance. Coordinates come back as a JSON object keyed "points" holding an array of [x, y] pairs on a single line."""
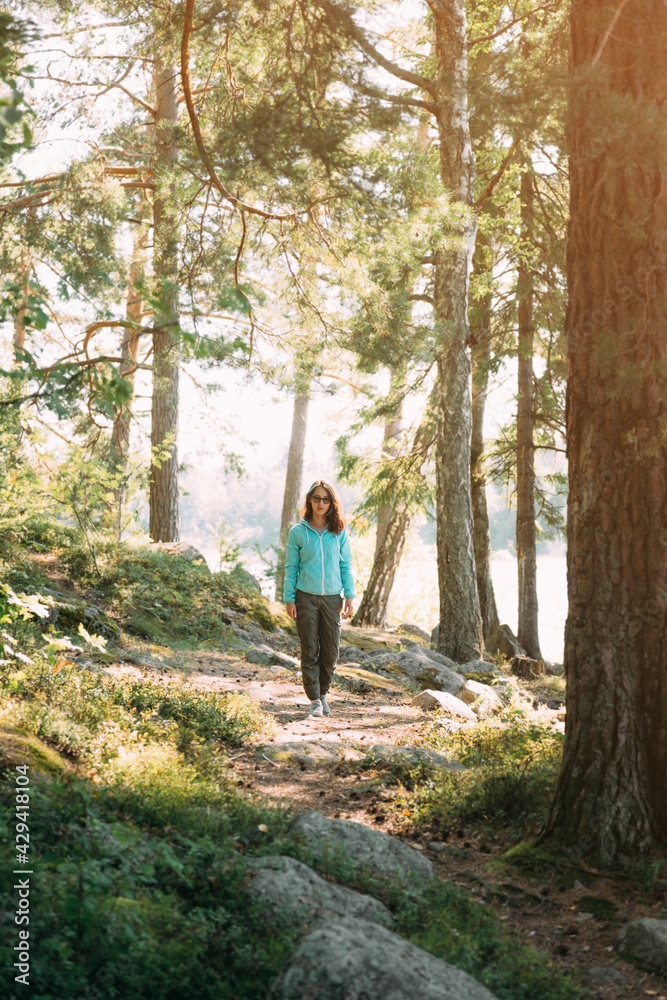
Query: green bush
{"points": [[512, 773]]}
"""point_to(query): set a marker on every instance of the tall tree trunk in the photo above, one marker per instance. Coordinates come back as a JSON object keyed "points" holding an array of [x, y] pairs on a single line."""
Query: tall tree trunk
{"points": [[610, 804], [480, 331], [22, 311], [393, 427], [293, 481], [460, 629], [163, 521], [373, 607], [129, 352], [526, 552]]}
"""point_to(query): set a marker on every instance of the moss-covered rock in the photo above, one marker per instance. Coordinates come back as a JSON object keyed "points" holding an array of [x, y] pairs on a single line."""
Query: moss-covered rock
{"points": [[20, 747]]}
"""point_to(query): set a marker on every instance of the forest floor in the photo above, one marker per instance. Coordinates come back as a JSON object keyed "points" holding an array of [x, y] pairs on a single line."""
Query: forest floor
{"points": [[322, 768]]}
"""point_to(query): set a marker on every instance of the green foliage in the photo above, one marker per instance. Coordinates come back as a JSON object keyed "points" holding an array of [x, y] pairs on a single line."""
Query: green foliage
{"points": [[164, 598], [510, 781]]}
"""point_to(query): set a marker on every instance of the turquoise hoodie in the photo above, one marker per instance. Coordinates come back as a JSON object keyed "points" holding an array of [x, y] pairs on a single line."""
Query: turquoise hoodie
{"points": [[317, 564]]}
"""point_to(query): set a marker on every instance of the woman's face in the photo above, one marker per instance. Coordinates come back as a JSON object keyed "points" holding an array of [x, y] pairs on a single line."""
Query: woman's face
{"points": [[320, 500]]}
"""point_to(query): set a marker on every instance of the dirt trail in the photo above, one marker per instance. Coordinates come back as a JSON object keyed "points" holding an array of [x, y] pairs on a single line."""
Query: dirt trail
{"points": [[327, 775]]}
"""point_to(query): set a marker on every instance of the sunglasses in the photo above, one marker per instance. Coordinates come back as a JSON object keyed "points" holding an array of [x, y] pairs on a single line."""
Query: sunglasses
{"points": [[326, 500]]}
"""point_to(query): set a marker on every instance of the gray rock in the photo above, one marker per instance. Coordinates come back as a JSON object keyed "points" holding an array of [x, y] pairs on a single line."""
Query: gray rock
{"points": [[505, 642], [262, 655], [295, 890], [644, 942], [446, 702], [437, 678], [479, 667], [346, 959], [364, 847], [350, 654], [309, 752], [605, 974], [388, 754], [435, 635], [526, 667], [413, 629], [440, 658], [285, 660], [482, 699], [66, 612], [555, 669], [420, 668]]}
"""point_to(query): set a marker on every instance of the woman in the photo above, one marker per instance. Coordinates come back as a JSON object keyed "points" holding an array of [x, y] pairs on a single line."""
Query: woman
{"points": [[318, 565]]}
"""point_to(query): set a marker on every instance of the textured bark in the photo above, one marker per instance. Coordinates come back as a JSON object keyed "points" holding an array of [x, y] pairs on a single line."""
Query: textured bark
{"points": [[480, 330], [611, 803], [526, 550], [373, 607], [163, 520], [129, 352], [293, 482], [19, 324], [460, 628], [393, 427]]}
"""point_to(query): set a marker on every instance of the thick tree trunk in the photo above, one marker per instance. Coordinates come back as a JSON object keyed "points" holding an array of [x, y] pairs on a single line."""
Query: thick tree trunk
{"points": [[373, 607], [480, 330], [460, 629], [526, 551], [163, 521], [293, 482], [393, 427], [611, 803]]}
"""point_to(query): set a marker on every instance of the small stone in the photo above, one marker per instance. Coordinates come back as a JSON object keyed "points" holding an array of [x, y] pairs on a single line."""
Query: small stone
{"points": [[605, 974], [577, 885], [445, 702], [262, 655]]}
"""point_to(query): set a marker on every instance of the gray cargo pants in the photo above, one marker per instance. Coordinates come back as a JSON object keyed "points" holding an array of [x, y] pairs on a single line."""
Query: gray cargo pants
{"points": [[318, 625]]}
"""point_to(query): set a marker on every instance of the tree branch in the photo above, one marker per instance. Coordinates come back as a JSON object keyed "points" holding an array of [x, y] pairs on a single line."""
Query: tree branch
{"points": [[391, 67], [410, 102], [421, 298], [496, 177], [196, 129]]}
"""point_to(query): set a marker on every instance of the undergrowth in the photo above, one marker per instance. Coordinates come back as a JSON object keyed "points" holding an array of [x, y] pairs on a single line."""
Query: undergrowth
{"points": [[512, 770]]}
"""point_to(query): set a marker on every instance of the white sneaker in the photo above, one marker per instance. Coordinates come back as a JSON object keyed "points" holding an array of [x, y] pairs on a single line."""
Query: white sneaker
{"points": [[325, 705], [316, 709]]}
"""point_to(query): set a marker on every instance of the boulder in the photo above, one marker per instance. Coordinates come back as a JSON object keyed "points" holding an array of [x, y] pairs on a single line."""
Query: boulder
{"points": [[67, 612], [435, 634], [294, 890], [438, 678], [413, 629], [388, 755], [261, 655], [311, 752], [440, 658], [350, 654], [482, 699], [479, 667], [181, 549], [264, 656], [505, 642], [446, 702], [644, 942], [347, 958], [420, 668], [364, 847], [526, 668], [353, 677]]}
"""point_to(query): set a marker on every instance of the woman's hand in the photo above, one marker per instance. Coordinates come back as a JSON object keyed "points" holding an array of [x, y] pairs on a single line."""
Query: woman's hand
{"points": [[291, 610], [348, 609]]}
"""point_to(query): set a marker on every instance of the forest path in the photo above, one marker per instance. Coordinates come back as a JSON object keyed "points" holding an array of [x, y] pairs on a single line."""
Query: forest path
{"points": [[319, 764]]}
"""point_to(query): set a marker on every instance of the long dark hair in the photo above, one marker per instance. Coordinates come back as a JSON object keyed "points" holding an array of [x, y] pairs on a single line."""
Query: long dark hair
{"points": [[335, 519]]}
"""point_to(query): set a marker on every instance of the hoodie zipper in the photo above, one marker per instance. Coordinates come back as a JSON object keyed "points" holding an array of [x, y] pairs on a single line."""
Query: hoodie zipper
{"points": [[322, 554]]}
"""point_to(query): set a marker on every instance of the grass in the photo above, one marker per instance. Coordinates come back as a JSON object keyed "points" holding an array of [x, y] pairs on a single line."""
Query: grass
{"points": [[512, 769], [165, 599]]}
